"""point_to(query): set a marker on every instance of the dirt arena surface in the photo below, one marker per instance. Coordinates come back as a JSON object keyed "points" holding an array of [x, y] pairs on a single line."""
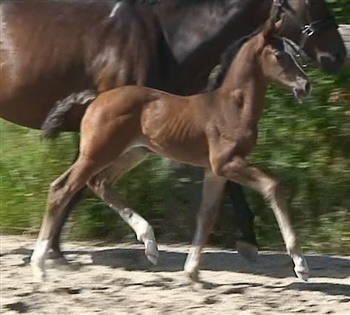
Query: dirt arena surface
{"points": [[118, 279]]}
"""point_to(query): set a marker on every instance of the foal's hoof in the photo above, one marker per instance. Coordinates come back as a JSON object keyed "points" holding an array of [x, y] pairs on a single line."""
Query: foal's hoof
{"points": [[193, 275], [151, 252], [38, 271], [301, 269], [247, 250]]}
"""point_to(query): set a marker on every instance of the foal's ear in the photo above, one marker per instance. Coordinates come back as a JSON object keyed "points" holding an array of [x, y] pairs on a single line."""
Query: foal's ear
{"points": [[279, 24], [271, 28]]}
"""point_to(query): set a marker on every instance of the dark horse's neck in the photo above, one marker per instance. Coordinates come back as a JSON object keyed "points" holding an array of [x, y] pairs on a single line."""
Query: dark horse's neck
{"points": [[214, 24], [209, 20]]}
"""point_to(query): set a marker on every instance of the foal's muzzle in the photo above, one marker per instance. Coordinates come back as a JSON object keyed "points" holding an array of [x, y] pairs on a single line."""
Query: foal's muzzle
{"points": [[302, 88]]}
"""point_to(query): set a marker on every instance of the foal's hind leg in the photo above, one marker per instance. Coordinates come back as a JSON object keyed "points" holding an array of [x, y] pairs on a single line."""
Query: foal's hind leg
{"points": [[65, 213], [212, 192], [241, 171], [60, 193], [101, 184]]}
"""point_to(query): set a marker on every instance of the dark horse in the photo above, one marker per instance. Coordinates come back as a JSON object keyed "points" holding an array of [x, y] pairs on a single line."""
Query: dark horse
{"points": [[49, 50], [215, 130]]}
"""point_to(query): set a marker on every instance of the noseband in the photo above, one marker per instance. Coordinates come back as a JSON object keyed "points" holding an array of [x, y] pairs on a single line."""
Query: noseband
{"points": [[307, 30]]}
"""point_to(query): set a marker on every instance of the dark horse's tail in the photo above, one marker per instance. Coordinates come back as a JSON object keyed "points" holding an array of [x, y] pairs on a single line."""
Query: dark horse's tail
{"points": [[56, 117]]}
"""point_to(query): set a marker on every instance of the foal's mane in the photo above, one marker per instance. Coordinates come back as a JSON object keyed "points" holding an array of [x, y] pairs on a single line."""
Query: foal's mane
{"points": [[226, 60]]}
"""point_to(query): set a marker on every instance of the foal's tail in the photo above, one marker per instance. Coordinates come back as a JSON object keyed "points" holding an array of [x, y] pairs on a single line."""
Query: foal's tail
{"points": [[53, 123]]}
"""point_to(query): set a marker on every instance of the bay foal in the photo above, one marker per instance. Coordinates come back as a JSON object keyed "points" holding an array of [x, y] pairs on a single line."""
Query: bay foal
{"points": [[216, 130]]}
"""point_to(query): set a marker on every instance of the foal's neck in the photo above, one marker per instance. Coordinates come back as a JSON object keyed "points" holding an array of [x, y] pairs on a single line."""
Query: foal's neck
{"points": [[244, 86]]}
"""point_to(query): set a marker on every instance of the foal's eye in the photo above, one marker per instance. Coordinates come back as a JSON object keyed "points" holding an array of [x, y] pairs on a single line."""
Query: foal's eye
{"points": [[279, 54]]}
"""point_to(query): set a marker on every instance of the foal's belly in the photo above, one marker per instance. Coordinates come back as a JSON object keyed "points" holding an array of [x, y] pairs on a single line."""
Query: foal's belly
{"points": [[187, 154], [171, 131]]}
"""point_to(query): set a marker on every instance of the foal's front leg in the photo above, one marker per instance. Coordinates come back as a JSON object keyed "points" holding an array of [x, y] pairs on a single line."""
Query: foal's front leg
{"points": [[241, 171], [212, 192], [101, 184]]}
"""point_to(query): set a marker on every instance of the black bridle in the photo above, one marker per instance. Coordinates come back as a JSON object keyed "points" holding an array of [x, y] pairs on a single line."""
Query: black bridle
{"points": [[307, 29]]}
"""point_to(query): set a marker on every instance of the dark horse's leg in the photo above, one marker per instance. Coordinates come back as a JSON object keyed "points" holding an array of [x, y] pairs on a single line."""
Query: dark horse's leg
{"points": [[243, 222]]}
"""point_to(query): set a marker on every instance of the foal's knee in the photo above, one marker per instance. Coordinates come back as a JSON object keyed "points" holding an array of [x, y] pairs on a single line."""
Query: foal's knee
{"points": [[228, 169]]}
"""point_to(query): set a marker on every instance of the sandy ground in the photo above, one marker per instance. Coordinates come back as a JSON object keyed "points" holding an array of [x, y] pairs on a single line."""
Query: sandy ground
{"points": [[119, 280]]}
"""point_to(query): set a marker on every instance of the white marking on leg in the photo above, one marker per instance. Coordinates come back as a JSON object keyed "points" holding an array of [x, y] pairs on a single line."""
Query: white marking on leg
{"points": [[193, 258], [37, 260], [300, 265], [115, 8], [192, 262], [144, 233], [212, 191]]}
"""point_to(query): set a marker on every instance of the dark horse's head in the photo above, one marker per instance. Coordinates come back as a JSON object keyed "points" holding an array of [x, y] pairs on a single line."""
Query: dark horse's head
{"points": [[312, 24]]}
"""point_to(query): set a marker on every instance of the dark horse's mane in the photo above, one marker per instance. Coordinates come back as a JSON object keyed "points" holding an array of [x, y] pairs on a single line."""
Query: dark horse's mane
{"points": [[181, 3], [157, 1], [144, 1], [226, 60]]}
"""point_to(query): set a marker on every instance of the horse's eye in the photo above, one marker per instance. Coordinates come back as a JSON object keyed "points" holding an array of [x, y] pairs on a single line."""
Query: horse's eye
{"points": [[279, 54]]}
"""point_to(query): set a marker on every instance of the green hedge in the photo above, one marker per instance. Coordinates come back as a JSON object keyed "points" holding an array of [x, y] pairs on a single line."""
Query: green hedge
{"points": [[306, 145]]}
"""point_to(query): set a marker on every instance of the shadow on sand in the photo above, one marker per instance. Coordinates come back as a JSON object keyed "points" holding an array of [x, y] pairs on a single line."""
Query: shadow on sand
{"points": [[275, 265]]}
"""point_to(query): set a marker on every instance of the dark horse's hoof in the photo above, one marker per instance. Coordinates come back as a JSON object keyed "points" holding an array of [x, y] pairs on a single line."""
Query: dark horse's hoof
{"points": [[247, 250], [58, 258]]}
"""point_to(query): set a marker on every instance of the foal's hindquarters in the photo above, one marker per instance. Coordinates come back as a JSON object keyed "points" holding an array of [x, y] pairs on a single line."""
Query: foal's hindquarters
{"points": [[102, 160], [120, 129]]}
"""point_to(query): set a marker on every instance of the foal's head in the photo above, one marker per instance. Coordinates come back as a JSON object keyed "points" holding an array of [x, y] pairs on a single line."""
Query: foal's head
{"points": [[278, 61]]}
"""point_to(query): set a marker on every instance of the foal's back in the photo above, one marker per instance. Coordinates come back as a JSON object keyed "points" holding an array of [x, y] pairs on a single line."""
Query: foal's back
{"points": [[131, 116]]}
